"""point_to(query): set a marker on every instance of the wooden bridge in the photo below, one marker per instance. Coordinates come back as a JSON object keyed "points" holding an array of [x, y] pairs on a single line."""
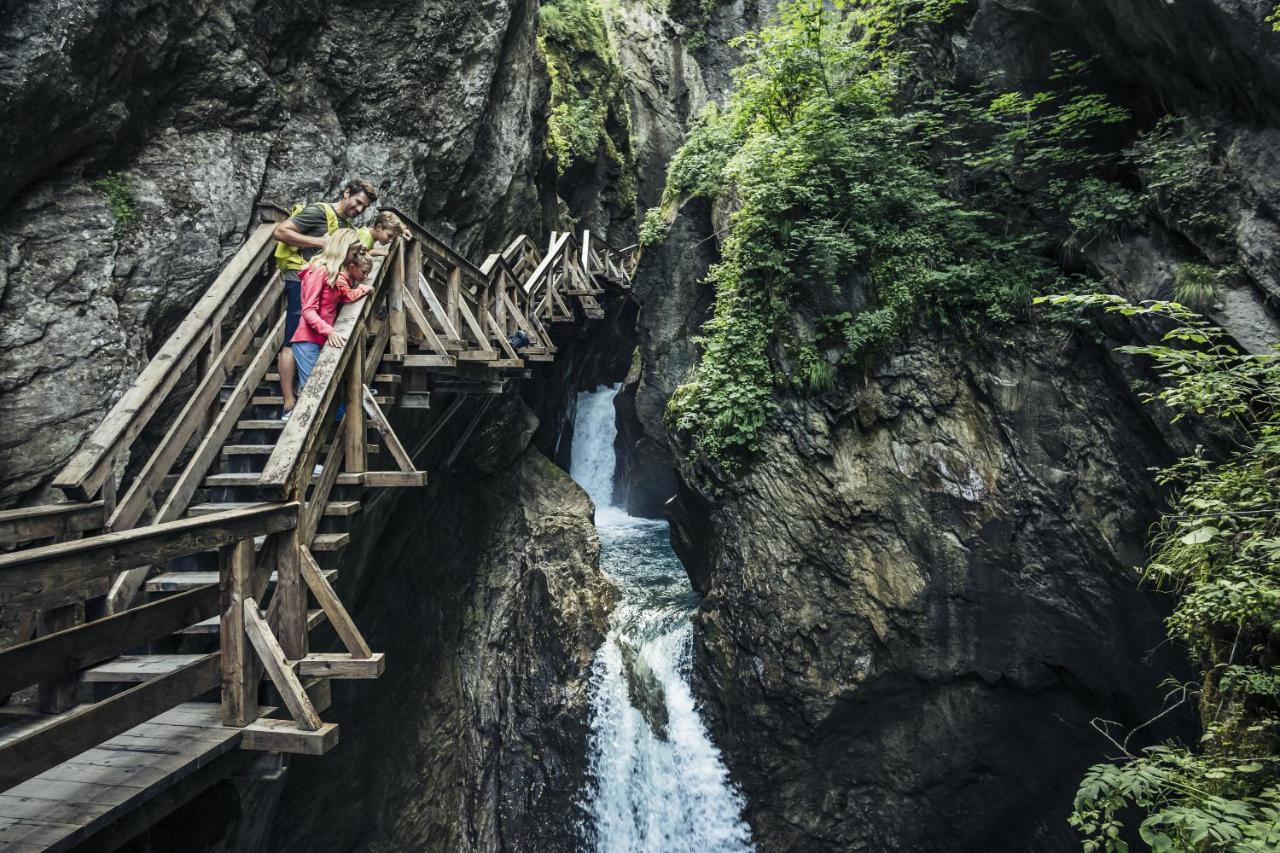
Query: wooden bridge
{"points": [[165, 610]]}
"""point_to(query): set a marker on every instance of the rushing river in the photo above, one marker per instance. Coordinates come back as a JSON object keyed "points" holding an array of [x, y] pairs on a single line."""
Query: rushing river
{"points": [[657, 781]]}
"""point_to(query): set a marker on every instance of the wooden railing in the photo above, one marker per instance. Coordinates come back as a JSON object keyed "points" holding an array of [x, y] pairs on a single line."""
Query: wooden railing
{"points": [[53, 575]]}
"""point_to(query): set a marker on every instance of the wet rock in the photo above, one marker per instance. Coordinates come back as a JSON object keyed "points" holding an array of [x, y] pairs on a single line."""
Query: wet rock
{"points": [[644, 691]]}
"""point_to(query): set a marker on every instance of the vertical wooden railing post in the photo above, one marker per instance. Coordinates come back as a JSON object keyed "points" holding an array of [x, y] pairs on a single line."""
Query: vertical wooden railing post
{"points": [[239, 674], [291, 594], [414, 264], [356, 458], [57, 694], [204, 363], [453, 292], [398, 343]]}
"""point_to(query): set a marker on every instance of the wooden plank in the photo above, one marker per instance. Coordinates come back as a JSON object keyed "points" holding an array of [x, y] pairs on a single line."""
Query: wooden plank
{"points": [[277, 667], [135, 669], [343, 625], [544, 267], [36, 572], [81, 478], [422, 360], [420, 322], [437, 310], [125, 589], [522, 321], [383, 426], [88, 644], [341, 666], [355, 460], [285, 736], [239, 685], [478, 334], [194, 414], [89, 725], [321, 490], [502, 338], [58, 693], [396, 304], [289, 605], [20, 526], [395, 479]]}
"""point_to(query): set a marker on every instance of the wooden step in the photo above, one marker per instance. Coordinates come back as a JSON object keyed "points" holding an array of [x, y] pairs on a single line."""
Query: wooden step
{"points": [[418, 359], [210, 626], [477, 355], [253, 479], [330, 541], [332, 508], [272, 424], [340, 666], [183, 581], [134, 669], [535, 357], [415, 401], [379, 377], [275, 400], [266, 449]]}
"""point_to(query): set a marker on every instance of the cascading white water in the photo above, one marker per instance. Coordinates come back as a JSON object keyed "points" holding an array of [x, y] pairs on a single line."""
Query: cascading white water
{"points": [[657, 781]]}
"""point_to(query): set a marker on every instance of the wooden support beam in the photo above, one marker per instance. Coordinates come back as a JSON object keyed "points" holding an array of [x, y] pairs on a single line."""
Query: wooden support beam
{"points": [[353, 425], [57, 694], [389, 438], [39, 573], [443, 317], [320, 491], [86, 726], [453, 296], [284, 736], [93, 642], [475, 421], [277, 667], [426, 333], [341, 666], [478, 334], [239, 675], [394, 479], [288, 615], [343, 625]]}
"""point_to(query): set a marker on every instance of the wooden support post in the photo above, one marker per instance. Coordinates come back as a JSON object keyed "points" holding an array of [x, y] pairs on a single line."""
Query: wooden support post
{"points": [[58, 694], [333, 608], [290, 605], [453, 295], [412, 272], [354, 427], [278, 667], [239, 672], [205, 362], [395, 304], [108, 496]]}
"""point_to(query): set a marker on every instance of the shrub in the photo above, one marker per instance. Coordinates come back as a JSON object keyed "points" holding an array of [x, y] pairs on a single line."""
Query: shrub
{"points": [[120, 200]]}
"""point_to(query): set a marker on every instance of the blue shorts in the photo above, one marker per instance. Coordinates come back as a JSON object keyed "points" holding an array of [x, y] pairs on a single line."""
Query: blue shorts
{"points": [[305, 355], [292, 308]]}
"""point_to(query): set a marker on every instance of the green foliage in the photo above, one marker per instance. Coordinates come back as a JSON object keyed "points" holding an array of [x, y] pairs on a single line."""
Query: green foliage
{"points": [[586, 86], [1195, 285], [654, 227], [864, 213], [119, 200], [1182, 177], [1274, 18], [1218, 550]]}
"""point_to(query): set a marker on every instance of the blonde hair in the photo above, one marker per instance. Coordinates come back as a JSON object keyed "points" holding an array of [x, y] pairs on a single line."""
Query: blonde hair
{"points": [[336, 254], [390, 222]]}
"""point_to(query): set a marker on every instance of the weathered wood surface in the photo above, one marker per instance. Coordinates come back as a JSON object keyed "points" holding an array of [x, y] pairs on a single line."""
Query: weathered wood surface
{"points": [[343, 625], [81, 478], [278, 668], [238, 676], [92, 642], [70, 802], [55, 521], [40, 573], [24, 754]]}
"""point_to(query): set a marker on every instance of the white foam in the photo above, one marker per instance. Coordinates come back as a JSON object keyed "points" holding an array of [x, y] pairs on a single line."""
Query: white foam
{"points": [[646, 793]]}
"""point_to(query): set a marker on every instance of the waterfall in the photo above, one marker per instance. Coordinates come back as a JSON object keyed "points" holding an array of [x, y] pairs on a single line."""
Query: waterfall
{"points": [[657, 783]]}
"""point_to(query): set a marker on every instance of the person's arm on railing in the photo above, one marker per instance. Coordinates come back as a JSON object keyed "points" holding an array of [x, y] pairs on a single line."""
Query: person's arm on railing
{"points": [[287, 232]]}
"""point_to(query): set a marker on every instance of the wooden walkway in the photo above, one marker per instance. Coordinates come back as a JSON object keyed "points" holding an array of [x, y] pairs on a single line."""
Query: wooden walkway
{"points": [[165, 617]]}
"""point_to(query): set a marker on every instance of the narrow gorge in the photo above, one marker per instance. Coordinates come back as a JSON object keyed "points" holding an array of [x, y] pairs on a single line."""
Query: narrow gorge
{"points": [[897, 472]]}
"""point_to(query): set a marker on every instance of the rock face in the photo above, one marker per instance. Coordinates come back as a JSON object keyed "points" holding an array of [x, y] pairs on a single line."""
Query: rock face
{"points": [[921, 594], [198, 110]]}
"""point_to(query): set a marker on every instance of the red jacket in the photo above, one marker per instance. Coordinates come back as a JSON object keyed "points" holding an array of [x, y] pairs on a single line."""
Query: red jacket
{"points": [[320, 304]]}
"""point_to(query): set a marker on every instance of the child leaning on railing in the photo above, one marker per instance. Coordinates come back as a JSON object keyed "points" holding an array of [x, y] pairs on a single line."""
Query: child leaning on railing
{"points": [[331, 279]]}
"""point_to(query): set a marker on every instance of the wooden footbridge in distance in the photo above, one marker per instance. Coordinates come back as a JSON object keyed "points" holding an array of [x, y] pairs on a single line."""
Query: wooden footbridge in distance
{"points": [[165, 610]]}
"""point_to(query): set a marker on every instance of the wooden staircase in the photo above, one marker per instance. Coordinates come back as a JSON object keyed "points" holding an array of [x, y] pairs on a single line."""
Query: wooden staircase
{"points": [[169, 604]]}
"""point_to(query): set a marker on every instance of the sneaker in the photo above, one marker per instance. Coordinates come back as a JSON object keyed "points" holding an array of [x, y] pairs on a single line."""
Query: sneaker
{"points": [[284, 416], [317, 471]]}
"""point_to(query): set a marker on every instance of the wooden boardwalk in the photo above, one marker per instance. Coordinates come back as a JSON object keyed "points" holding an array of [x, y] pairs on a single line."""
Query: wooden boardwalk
{"points": [[70, 802], [161, 612]]}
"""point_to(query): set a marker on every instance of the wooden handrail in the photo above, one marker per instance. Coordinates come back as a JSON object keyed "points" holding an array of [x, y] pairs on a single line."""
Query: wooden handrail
{"points": [[288, 469], [89, 468], [20, 526], [57, 571], [437, 245]]}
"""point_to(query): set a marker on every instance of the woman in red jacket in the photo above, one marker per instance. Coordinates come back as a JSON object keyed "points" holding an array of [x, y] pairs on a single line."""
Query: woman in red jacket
{"points": [[331, 279]]}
